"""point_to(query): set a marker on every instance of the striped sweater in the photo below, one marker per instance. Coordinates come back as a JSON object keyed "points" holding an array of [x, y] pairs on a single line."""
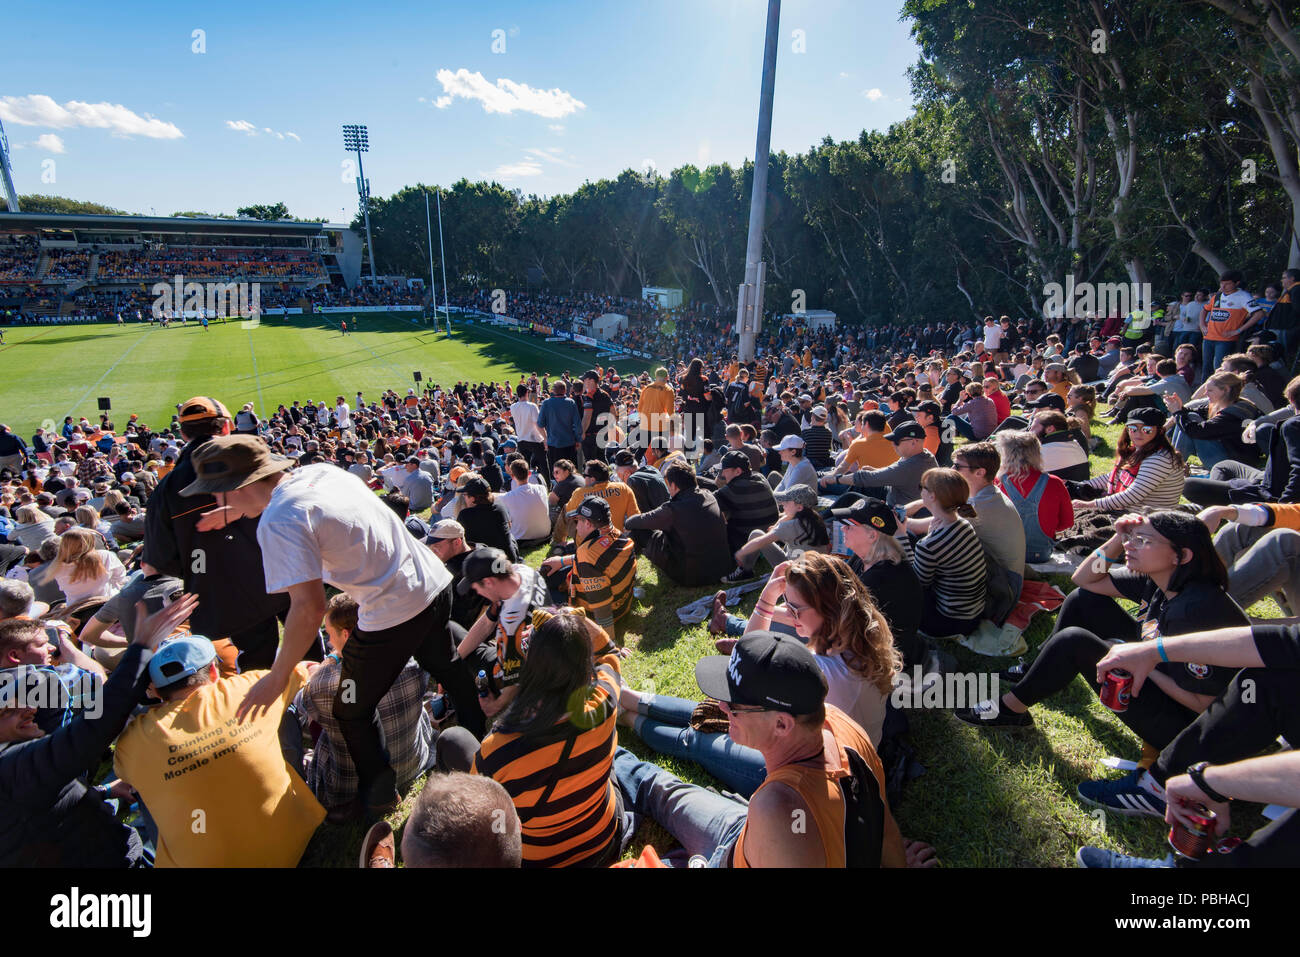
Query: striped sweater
{"points": [[952, 569], [1158, 483]]}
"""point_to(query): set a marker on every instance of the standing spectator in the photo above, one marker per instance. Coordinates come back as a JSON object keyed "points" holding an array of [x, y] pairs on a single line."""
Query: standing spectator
{"points": [[560, 419], [1227, 317]]}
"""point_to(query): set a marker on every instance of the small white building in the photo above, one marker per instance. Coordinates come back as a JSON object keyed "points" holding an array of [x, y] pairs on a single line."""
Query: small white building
{"points": [[665, 297], [609, 325], [816, 318]]}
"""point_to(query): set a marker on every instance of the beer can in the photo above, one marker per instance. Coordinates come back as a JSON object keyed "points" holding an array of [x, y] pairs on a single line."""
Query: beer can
{"points": [[1193, 841], [1115, 689]]}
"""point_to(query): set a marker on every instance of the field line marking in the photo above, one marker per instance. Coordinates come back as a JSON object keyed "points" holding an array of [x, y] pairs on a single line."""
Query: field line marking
{"points": [[109, 372]]}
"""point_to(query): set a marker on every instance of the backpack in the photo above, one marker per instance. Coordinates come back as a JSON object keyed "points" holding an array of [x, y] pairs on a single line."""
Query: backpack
{"points": [[864, 814]]}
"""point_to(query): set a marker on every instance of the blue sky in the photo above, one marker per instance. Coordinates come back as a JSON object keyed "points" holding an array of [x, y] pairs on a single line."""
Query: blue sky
{"points": [[132, 117]]}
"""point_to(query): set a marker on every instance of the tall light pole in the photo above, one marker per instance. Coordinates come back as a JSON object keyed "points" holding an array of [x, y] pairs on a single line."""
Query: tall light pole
{"points": [[356, 139], [749, 300], [11, 194], [428, 232]]}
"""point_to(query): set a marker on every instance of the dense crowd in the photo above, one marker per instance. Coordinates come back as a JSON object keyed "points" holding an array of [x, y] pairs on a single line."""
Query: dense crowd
{"points": [[338, 599]]}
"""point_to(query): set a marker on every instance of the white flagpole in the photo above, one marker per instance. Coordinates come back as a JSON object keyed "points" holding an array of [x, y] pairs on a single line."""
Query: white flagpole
{"points": [[442, 251], [428, 231]]}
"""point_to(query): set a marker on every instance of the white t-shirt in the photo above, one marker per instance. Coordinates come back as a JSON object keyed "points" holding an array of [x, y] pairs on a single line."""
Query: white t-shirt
{"points": [[324, 523], [992, 337], [344, 415], [856, 697], [529, 511], [524, 414]]}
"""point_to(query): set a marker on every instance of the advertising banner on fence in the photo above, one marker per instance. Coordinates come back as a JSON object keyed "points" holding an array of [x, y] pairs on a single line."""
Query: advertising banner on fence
{"points": [[369, 308]]}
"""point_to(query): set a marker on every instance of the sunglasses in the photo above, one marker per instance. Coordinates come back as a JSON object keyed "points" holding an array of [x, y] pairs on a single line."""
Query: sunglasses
{"points": [[1142, 429], [741, 708], [1143, 541]]}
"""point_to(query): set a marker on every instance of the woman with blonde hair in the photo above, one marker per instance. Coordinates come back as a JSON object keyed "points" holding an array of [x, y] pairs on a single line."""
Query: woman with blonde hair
{"points": [[33, 527], [829, 608], [1212, 426], [1042, 500], [89, 518], [84, 571], [949, 561]]}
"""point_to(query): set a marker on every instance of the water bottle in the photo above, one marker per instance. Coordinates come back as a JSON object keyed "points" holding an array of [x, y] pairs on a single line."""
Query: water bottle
{"points": [[481, 682]]}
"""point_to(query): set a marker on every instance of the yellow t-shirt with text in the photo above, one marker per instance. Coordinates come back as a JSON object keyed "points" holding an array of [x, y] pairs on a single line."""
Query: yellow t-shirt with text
{"points": [[219, 790]]}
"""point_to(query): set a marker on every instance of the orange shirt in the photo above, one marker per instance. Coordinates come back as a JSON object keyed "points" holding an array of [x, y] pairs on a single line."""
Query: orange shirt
{"points": [[871, 452]]}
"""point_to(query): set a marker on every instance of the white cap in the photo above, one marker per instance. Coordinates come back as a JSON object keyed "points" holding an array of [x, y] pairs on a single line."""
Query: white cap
{"points": [[790, 442]]}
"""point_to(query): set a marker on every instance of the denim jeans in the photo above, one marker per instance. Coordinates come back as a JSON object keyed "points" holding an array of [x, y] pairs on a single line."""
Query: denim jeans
{"points": [[666, 727], [1215, 352], [1210, 451], [703, 822]]}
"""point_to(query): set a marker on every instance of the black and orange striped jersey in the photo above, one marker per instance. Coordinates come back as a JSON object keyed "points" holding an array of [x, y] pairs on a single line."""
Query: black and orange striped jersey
{"points": [[574, 761], [514, 625], [601, 581], [621, 499]]}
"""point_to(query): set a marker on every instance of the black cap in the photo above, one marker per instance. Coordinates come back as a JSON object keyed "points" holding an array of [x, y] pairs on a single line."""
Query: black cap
{"points": [[868, 511], [483, 562], [1147, 416], [736, 459], [477, 487], [907, 430], [928, 406], [595, 510], [624, 458], [768, 670], [1048, 400]]}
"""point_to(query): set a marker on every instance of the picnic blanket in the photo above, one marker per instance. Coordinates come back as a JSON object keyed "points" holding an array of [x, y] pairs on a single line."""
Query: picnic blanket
{"points": [[700, 609], [1007, 640]]}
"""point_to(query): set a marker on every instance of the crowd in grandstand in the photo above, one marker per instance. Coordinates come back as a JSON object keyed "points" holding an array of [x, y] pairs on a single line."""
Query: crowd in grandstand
{"points": [[885, 488]]}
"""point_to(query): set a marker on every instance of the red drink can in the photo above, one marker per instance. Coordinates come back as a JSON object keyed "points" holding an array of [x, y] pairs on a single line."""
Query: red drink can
{"points": [[1115, 689], [1195, 840]]}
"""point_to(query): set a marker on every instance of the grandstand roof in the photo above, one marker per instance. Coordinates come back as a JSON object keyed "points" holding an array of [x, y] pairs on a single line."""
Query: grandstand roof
{"points": [[154, 223]]}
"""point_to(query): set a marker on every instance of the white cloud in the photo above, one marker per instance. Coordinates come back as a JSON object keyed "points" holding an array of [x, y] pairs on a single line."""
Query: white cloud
{"points": [[506, 96], [552, 154], [50, 143], [873, 94], [443, 102], [556, 127], [40, 110], [515, 170], [843, 75], [243, 126]]}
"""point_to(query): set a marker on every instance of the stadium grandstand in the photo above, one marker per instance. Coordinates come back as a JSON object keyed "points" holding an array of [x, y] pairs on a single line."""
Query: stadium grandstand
{"points": [[85, 267]]}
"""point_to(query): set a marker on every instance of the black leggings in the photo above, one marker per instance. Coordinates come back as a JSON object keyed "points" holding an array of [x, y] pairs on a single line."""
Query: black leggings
{"points": [[1232, 729], [1073, 650]]}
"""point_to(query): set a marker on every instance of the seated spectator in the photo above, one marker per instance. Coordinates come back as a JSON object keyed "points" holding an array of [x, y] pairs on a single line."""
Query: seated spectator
{"points": [[745, 499], [798, 470], [1065, 452], [408, 731], [899, 483], [1211, 428], [1042, 500], [526, 507], [498, 641], [462, 820], [800, 529], [484, 519], [818, 439], [1172, 572], [871, 449], [620, 498], [774, 696], [1213, 760], [1278, 435], [33, 527], [975, 417], [600, 575], [49, 815], [688, 540], [997, 522], [1148, 473], [190, 753], [84, 571], [949, 559], [552, 749]]}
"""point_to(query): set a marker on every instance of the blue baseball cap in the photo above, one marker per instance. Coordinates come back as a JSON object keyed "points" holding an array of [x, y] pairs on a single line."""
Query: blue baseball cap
{"points": [[178, 658]]}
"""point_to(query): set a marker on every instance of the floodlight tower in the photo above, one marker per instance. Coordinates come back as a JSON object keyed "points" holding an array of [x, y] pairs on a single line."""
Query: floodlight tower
{"points": [[11, 194], [749, 301], [356, 139]]}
